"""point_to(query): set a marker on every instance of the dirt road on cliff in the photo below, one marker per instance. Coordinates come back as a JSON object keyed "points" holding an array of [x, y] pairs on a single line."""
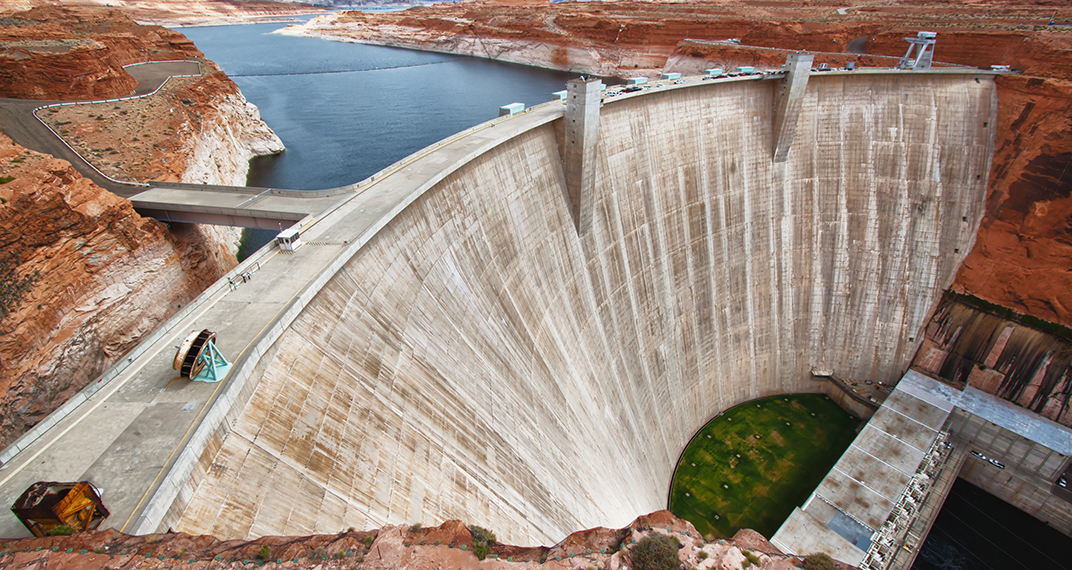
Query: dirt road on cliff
{"points": [[17, 121]]}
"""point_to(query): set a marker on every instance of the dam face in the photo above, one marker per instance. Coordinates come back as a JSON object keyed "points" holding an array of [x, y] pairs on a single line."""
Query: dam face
{"points": [[480, 359]]}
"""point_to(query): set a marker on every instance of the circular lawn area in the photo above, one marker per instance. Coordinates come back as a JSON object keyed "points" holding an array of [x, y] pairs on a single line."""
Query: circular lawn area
{"points": [[753, 463]]}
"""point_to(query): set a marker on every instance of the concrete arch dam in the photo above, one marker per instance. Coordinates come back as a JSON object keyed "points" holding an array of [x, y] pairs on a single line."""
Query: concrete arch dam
{"points": [[481, 359]]}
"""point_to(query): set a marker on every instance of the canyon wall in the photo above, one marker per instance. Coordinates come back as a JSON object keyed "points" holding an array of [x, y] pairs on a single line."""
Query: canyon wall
{"points": [[449, 546], [227, 134], [107, 276], [72, 53], [1029, 363], [478, 359]]}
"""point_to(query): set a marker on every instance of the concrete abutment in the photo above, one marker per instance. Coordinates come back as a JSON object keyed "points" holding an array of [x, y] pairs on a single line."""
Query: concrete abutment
{"points": [[788, 102], [581, 126], [479, 358]]}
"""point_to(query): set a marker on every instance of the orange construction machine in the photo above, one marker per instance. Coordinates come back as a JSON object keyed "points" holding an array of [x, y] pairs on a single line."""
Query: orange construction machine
{"points": [[47, 505]]}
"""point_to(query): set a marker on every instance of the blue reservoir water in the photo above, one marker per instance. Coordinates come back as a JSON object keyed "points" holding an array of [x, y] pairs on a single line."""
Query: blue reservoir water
{"points": [[345, 111]]}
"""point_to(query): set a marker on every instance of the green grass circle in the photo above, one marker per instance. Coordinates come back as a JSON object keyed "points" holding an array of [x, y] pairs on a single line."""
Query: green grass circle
{"points": [[779, 464]]}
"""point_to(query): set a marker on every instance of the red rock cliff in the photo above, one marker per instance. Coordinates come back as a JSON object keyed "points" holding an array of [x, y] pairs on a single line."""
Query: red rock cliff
{"points": [[73, 53], [449, 546], [107, 277]]}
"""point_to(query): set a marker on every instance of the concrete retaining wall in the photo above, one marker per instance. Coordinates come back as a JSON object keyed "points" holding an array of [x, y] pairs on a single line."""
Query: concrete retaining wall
{"points": [[478, 360], [1030, 498]]}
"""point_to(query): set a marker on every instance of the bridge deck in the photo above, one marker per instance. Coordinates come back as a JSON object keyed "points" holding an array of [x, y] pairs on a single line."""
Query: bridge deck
{"points": [[250, 208]]}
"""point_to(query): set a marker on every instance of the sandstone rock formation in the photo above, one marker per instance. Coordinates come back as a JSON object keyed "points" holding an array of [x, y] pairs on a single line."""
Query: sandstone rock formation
{"points": [[77, 53], [184, 13], [446, 547], [107, 277], [1023, 254], [966, 344], [196, 129]]}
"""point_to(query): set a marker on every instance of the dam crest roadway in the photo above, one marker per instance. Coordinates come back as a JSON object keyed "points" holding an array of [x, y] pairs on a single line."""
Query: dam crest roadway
{"points": [[449, 344]]}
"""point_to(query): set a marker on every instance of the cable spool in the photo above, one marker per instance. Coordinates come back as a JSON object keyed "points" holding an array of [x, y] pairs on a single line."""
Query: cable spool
{"points": [[188, 359]]}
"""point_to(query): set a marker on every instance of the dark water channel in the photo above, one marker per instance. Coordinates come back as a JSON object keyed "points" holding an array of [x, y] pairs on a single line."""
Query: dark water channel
{"points": [[977, 531], [345, 111]]}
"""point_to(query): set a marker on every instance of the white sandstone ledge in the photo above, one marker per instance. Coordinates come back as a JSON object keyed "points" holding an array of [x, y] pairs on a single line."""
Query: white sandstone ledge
{"points": [[221, 152], [579, 59]]}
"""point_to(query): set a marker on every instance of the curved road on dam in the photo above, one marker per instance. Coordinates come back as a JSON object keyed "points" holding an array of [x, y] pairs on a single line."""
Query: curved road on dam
{"points": [[139, 431]]}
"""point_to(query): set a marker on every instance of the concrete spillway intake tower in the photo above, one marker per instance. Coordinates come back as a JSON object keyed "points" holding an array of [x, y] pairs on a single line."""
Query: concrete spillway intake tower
{"points": [[583, 99], [788, 102]]}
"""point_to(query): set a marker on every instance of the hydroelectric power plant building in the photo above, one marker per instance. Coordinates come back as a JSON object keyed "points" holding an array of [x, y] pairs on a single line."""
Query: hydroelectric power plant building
{"points": [[523, 326]]}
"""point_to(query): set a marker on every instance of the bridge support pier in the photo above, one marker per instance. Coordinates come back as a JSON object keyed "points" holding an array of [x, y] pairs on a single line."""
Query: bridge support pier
{"points": [[788, 101], [583, 99]]}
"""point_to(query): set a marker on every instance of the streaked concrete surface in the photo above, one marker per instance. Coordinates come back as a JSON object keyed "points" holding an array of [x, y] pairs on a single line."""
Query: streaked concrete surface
{"points": [[447, 346], [479, 360], [112, 431]]}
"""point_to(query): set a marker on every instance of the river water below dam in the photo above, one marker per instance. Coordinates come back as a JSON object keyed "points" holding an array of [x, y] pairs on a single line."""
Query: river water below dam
{"points": [[345, 111], [977, 531]]}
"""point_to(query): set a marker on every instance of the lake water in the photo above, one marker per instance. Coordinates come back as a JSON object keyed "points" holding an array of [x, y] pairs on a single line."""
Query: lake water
{"points": [[345, 111]]}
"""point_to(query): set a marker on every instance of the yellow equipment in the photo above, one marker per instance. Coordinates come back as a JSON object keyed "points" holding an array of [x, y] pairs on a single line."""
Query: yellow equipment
{"points": [[47, 505]]}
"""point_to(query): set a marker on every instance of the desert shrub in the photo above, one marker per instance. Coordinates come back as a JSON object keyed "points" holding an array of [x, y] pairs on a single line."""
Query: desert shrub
{"points": [[751, 558], [482, 541], [703, 555], [12, 287], [415, 527], [265, 552], [819, 561], [61, 530], [655, 552]]}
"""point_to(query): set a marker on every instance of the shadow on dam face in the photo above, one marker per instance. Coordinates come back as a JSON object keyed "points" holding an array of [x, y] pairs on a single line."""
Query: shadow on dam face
{"points": [[479, 360]]}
